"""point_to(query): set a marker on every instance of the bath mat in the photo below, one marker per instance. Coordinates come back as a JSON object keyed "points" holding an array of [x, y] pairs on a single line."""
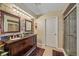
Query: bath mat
{"points": [[57, 53], [37, 52]]}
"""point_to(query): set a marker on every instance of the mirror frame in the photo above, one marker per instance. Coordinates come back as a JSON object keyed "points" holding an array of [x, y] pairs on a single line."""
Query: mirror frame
{"points": [[26, 26], [2, 18]]}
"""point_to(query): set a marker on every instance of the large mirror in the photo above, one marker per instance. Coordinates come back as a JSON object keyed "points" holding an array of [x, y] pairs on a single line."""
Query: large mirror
{"points": [[28, 26], [11, 23]]}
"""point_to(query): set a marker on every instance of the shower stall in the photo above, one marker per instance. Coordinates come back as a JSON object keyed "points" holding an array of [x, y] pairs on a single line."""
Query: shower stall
{"points": [[70, 33]]}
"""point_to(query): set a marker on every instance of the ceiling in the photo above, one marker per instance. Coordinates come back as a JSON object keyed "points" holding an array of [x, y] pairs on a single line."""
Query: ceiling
{"points": [[41, 8]]}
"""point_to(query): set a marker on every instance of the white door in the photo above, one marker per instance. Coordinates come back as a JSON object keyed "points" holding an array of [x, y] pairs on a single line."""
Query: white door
{"points": [[52, 32]]}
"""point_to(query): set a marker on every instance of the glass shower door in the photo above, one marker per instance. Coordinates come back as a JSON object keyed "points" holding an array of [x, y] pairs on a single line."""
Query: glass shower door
{"points": [[70, 29], [73, 40], [66, 35]]}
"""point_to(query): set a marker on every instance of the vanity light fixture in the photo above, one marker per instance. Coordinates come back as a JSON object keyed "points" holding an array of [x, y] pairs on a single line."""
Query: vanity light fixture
{"points": [[21, 11]]}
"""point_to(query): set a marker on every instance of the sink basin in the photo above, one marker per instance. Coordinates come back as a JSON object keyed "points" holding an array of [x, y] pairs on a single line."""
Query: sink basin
{"points": [[16, 39]]}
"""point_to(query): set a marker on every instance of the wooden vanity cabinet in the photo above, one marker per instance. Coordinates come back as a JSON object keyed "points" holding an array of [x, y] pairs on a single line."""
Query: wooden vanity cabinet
{"points": [[16, 47], [21, 47]]}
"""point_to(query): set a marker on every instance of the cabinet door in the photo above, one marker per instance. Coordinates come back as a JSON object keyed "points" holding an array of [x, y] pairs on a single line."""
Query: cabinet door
{"points": [[15, 48]]}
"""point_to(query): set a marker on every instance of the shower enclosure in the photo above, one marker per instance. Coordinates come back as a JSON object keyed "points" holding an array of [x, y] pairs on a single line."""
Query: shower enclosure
{"points": [[70, 34]]}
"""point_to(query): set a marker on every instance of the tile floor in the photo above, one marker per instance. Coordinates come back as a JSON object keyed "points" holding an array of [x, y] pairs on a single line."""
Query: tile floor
{"points": [[48, 50]]}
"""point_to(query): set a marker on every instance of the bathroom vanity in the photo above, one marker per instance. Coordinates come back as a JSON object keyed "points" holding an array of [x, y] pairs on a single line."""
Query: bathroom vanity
{"points": [[22, 46]]}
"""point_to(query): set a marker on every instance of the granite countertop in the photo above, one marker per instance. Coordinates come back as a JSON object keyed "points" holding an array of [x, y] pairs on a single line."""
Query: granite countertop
{"points": [[12, 41]]}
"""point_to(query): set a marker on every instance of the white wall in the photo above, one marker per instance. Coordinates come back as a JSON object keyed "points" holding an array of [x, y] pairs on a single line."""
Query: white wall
{"points": [[40, 33]]}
